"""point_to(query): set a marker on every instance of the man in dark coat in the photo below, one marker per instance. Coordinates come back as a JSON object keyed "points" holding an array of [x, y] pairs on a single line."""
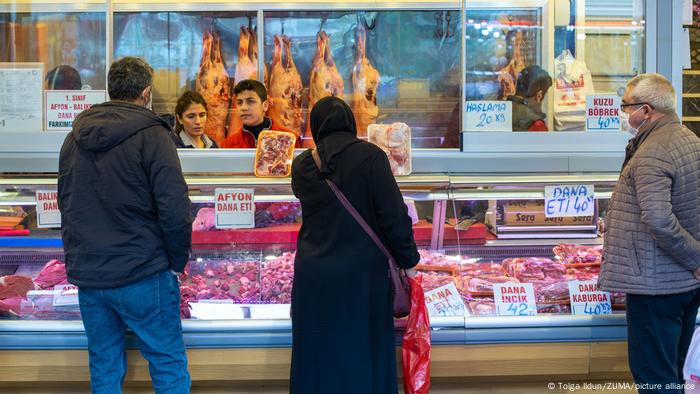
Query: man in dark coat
{"points": [[126, 231], [343, 329]]}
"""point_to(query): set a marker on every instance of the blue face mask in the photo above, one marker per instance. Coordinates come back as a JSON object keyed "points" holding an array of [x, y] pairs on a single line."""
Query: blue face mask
{"points": [[625, 118]]}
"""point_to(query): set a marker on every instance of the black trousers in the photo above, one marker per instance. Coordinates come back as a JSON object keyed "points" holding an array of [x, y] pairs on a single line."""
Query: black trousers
{"points": [[659, 330]]}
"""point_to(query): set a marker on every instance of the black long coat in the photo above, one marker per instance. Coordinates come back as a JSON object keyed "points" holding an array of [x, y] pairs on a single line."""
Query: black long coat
{"points": [[343, 328]]}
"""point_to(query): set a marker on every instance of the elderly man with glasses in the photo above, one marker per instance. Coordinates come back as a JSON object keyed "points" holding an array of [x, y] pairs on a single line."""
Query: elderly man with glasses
{"points": [[652, 252]]}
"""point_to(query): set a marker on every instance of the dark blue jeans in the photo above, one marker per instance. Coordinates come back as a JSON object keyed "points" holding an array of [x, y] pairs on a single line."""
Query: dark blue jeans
{"points": [[659, 331], [151, 309]]}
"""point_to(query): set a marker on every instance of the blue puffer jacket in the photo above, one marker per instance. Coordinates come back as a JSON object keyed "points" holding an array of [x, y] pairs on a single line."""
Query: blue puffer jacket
{"points": [[123, 199]]}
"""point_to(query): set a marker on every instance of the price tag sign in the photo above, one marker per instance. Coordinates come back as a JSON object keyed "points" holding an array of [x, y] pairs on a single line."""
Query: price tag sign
{"points": [[209, 310], [488, 116], [587, 300], [514, 299], [21, 101], [65, 295], [270, 311], [62, 106], [603, 113], [234, 208], [569, 200], [444, 301], [47, 213]]}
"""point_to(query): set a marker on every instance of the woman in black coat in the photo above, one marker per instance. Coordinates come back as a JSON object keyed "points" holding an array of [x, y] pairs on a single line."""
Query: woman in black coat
{"points": [[342, 324]]}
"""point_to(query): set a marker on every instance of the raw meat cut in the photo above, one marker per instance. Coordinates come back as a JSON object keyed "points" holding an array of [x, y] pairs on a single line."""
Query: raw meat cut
{"points": [[276, 279], [429, 258], [205, 220], [324, 81], [274, 154], [365, 79], [274, 213], [483, 307], [15, 286], [214, 85], [246, 68], [395, 141], [579, 254], [238, 281], [547, 292], [508, 76], [285, 88], [10, 307], [253, 54], [485, 285], [482, 270], [435, 279], [553, 308], [533, 268], [53, 273]]}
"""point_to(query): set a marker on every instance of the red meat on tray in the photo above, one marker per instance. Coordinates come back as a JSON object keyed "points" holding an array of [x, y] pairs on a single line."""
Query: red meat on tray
{"points": [[15, 286], [53, 273], [439, 279], [551, 291], [481, 269], [480, 285], [579, 254], [274, 154], [527, 269], [276, 279]]}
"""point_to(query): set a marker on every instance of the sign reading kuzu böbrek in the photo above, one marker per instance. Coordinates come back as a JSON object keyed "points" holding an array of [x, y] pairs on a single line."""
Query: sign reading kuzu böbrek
{"points": [[603, 113], [234, 208]]}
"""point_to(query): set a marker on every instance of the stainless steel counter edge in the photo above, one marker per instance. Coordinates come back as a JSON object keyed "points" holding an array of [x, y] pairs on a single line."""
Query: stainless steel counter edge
{"points": [[43, 158]]}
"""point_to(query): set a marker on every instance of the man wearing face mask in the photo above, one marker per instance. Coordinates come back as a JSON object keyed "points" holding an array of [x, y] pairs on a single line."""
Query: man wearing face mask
{"points": [[126, 231], [533, 83], [652, 248]]}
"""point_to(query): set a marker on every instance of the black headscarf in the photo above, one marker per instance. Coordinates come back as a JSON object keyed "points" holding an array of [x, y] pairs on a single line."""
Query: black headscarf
{"points": [[333, 130]]}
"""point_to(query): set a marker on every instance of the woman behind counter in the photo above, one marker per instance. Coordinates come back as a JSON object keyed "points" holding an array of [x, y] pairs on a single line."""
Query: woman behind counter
{"points": [[342, 324], [190, 118]]}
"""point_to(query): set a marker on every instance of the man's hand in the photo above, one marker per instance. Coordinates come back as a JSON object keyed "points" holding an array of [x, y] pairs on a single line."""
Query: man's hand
{"points": [[696, 273]]}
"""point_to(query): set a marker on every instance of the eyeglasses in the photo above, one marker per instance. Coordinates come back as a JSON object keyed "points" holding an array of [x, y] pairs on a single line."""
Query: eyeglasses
{"points": [[623, 106]]}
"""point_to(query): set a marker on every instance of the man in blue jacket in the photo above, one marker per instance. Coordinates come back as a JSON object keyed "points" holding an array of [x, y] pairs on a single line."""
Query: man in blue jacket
{"points": [[126, 231]]}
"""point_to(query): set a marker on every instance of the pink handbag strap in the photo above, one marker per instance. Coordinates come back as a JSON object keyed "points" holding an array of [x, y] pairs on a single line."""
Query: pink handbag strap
{"points": [[353, 212]]}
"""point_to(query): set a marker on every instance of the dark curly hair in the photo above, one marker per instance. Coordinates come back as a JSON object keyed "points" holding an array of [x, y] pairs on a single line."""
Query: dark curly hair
{"points": [[183, 102], [251, 84]]}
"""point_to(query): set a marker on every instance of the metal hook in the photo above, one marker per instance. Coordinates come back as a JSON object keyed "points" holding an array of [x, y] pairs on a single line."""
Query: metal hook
{"points": [[250, 23], [323, 22], [367, 25], [282, 25]]}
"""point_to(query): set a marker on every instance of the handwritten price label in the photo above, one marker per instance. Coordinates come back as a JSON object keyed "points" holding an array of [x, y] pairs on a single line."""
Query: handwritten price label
{"points": [[514, 299], [587, 300], [603, 113], [489, 116], [569, 200]]}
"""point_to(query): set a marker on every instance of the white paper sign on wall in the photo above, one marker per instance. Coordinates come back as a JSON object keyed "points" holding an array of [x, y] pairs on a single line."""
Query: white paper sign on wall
{"points": [[488, 116], [63, 106]]}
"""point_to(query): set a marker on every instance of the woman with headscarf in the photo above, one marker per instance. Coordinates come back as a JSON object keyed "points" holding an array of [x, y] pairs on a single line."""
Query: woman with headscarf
{"points": [[342, 324]]}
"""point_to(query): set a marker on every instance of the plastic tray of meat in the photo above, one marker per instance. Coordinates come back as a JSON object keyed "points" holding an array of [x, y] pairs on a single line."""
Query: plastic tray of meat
{"points": [[10, 217], [429, 259], [482, 269], [432, 281], [483, 287], [274, 154], [395, 140], [238, 281], [573, 255], [551, 292], [553, 308], [483, 307], [276, 278], [534, 268]]}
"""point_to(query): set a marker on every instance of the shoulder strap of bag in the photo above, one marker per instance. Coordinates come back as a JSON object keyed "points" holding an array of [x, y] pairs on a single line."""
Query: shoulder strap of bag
{"points": [[351, 209]]}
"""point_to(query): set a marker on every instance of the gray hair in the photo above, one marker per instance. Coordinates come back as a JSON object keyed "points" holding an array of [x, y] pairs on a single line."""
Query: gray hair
{"points": [[127, 78], [655, 90]]}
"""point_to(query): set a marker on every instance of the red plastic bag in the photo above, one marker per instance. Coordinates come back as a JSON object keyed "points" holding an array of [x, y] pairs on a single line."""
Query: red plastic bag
{"points": [[415, 348]]}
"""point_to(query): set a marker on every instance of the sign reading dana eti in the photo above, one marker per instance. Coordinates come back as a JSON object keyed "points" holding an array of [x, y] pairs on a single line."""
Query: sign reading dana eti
{"points": [[234, 208], [47, 213], [63, 106]]}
